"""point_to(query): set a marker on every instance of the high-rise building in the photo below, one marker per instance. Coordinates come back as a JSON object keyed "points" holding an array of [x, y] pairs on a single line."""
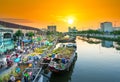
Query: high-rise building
{"points": [[52, 28], [106, 27]]}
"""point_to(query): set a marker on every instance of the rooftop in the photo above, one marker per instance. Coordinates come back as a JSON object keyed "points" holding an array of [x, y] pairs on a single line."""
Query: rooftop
{"points": [[2, 28]]}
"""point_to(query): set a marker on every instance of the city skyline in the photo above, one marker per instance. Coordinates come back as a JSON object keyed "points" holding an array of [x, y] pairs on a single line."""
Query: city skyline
{"points": [[83, 14]]}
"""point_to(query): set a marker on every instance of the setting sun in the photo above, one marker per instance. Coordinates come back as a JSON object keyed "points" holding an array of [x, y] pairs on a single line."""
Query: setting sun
{"points": [[70, 21]]}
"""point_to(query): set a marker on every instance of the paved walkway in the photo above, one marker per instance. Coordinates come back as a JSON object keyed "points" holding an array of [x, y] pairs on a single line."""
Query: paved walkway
{"points": [[7, 70]]}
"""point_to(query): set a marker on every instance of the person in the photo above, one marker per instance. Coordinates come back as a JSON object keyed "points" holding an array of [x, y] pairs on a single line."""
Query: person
{"points": [[12, 78], [16, 55], [9, 81], [7, 60], [35, 58], [33, 77], [26, 76], [63, 60], [53, 55]]}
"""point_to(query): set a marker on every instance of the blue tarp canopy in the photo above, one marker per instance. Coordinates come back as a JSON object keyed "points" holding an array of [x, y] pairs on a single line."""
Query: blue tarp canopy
{"points": [[26, 41], [18, 70], [17, 60], [48, 43]]}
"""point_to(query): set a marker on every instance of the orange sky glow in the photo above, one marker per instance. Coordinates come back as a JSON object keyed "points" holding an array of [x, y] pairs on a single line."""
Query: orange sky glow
{"points": [[86, 14]]}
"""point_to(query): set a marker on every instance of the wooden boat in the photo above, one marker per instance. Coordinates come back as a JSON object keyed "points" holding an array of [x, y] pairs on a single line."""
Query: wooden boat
{"points": [[67, 40], [64, 57]]}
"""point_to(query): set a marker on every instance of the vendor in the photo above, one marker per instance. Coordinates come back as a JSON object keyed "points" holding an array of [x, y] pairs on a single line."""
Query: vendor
{"points": [[26, 77]]}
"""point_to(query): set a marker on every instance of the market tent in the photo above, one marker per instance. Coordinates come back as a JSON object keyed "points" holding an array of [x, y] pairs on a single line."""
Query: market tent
{"points": [[17, 60], [17, 69], [26, 41], [48, 43], [39, 39]]}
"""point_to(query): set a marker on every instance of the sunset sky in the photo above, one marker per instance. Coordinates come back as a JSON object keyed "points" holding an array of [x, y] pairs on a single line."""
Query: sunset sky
{"points": [[86, 14]]}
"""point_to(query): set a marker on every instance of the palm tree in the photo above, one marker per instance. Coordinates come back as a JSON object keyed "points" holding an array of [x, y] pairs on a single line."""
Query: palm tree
{"points": [[19, 34]]}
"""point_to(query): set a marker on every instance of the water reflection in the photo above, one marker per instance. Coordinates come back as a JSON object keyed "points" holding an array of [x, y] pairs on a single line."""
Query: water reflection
{"points": [[107, 44], [63, 77], [104, 43], [96, 63]]}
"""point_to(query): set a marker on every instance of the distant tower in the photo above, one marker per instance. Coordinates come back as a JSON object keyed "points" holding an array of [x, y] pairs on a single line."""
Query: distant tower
{"points": [[106, 27], [52, 28]]}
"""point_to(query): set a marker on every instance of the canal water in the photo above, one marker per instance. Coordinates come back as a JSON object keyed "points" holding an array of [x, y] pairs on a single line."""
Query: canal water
{"points": [[96, 62]]}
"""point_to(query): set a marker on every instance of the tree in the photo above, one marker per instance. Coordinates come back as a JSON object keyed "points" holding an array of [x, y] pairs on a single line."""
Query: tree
{"points": [[19, 34], [116, 32], [50, 33], [30, 35], [90, 32]]}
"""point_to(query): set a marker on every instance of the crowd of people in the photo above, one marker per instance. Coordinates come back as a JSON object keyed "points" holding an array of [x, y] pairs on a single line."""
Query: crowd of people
{"points": [[17, 56]]}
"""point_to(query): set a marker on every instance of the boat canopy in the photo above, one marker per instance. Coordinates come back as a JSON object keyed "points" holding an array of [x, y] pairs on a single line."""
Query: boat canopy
{"points": [[26, 41]]}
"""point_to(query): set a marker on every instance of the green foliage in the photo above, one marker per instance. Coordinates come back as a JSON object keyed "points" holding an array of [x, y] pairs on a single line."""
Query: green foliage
{"points": [[116, 32], [90, 32], [0, 79], [19, 33], [64, 51], [5, 77], [50, 38], [30, 34], [14, 37], [50, 33]]}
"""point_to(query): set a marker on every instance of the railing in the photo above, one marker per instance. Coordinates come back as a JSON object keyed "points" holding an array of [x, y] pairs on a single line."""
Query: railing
{"points": [[37, 74], [46, 52]]}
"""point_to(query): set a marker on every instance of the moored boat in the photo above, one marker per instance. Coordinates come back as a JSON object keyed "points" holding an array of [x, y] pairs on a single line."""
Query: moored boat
{"points": [[62, 57], [67, 38]]}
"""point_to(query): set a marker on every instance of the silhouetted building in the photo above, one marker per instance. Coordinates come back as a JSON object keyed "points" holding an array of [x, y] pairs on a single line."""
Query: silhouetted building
{"points": [[106, 27], [52, 28]]}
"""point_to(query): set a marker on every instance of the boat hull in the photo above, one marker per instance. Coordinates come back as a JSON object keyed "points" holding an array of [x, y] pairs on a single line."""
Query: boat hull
{"points": [[54, 70]]}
